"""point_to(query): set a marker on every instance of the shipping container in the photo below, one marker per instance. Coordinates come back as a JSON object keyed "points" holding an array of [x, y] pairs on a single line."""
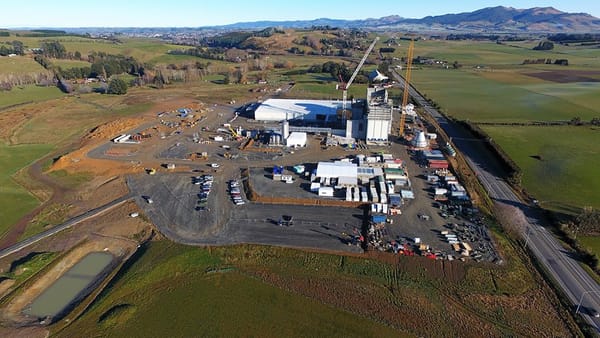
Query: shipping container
{"points": [[395, 199], [378, 218], [383, 198], [356, 194]]}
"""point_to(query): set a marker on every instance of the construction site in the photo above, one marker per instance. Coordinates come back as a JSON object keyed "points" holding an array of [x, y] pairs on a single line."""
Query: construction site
{"points": [[339, 175], [377, 162]]}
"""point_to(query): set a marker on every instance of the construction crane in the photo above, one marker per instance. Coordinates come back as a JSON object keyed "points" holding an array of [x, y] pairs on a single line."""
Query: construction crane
{"points": [[344, 86], [409, 57]]}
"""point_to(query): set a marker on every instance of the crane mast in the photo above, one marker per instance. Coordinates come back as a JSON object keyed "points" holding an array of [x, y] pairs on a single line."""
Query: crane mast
{"points": [[360, 64], [405, 94]]}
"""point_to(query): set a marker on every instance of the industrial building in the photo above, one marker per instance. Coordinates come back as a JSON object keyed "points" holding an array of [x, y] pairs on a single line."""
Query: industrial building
{"points": [[369, 120], [292, 109]]}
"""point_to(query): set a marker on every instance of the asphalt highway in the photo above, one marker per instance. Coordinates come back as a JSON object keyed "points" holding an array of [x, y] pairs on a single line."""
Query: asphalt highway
{"points": [[581, 289]]}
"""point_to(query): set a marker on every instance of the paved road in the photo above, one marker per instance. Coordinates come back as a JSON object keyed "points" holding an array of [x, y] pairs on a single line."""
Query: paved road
{"points": [[77, 219], [560, 263]]}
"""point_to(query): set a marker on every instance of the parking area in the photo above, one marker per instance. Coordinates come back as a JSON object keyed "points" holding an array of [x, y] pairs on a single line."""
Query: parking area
{"points": [[174, 211]]}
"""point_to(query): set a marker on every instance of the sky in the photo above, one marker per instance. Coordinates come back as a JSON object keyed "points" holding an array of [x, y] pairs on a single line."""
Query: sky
{"points": [[197, 13]]}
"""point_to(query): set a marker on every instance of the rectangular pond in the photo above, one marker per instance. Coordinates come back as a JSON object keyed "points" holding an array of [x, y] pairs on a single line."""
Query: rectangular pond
{"points": [[71, 287]]}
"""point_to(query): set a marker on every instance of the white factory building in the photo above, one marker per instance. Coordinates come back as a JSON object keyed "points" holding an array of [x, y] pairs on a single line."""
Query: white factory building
{"points": [[369, 120], [292, 109]]}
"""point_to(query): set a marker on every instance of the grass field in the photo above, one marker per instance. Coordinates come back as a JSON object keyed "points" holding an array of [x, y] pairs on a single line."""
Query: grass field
{"points": [[469, 95], [322, 86], [50, 125], [273, 292], [566, 173], [189, 300], [19, 65], [508, 55], [504, 90], [16, 201], [66, 64], [29, 93]]}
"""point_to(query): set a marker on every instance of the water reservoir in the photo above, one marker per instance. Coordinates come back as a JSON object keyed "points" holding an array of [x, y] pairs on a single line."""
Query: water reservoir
{"points": [[71, 287]]}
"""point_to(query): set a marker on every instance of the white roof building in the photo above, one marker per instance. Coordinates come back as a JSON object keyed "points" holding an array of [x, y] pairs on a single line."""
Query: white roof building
{"points": [[296, 139], [326, 191], [337, 169], [289, 109]]}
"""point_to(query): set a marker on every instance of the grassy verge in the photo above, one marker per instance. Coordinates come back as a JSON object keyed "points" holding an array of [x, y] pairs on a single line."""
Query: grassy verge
{"points": [[591, 243], [52, 215], [26, 267]]}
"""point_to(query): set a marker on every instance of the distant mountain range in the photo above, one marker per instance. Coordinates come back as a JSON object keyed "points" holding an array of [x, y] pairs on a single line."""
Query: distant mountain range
{"points": [[491, 20]]}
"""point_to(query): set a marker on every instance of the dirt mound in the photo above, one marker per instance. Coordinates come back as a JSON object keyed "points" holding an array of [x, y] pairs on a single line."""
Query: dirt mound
{"points": [[113, 128]]}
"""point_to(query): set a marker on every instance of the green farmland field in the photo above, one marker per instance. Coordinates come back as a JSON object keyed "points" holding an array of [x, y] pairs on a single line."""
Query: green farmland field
{"points": [[564, 172], [19, 65], [508, 55], [322, 86], [224, 303], [469, 95], [29, 93], [180, 291], [16, 201], [66, 64]]}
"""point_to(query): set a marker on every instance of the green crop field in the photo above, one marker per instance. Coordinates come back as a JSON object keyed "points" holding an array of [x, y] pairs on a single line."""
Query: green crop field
{"points": [[564, 172], [15, 200], [29, 93]]}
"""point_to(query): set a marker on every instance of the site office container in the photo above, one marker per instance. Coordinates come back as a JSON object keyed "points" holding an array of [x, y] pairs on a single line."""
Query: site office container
{"points": [[378, 218], [348, 194], [438, 165]]}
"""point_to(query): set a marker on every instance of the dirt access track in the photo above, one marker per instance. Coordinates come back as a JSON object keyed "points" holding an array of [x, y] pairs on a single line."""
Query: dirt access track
{"points": [[118, 247]]}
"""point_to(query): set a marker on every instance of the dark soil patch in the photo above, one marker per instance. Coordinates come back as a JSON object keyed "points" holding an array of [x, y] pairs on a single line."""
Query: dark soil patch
{"points": [[567, 76]]}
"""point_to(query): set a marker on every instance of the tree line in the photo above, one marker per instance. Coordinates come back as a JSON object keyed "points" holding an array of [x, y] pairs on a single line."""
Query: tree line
{"points": [[201, 52], [14, 47]]}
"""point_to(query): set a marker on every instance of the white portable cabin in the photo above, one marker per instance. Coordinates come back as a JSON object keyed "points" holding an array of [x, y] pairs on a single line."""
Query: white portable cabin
{"points": [[326, 191]]}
